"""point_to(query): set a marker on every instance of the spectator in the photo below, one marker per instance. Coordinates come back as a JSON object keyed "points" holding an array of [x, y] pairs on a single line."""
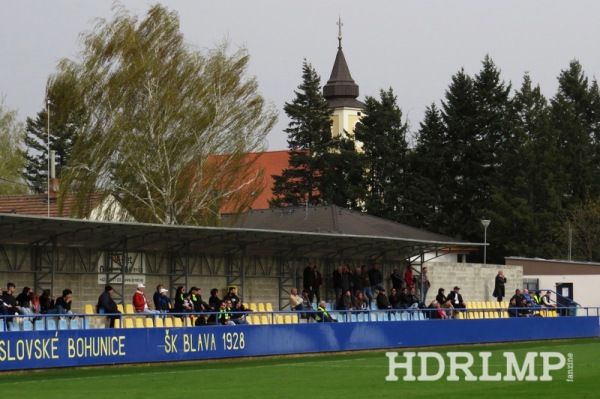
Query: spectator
{"points": [[394, 299], [456, 299], [156, 296], [9, 299], [437, 312], [547, 301], [107, 305], [366, 283], [197, 303], [499, 283], [345, 301], [24, 301], [309, 278], [182, 301], [163, 302], [323, 315], [238, 316], [409, 278], [376, 279], [140, 303], [424, 284], [307, 305], [232, 296], [3, 308], [525, 308], [537, 298], [214, 302], [396, 279], [415, 301], [63, 304], [338, 281], [360, 301], [318, 284], [405, 299], [224, 315], [444, 302], [526, 295], [296, 301], [517, 296], [47, 302], [357, 280], [382, 300], [513, 309]]}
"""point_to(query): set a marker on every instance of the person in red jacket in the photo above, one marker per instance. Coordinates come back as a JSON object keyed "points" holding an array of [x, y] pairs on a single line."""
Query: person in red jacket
{"points": [[139, 301]]}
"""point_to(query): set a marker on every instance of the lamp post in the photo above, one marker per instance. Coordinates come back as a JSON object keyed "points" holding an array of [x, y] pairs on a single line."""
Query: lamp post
{"points": [[485, 223]]}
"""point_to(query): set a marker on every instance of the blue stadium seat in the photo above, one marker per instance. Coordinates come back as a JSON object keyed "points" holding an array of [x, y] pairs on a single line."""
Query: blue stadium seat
{"points": [[74, 324], [39, 325], [14, 326], [27, 325], [62, 324], [50, 323], [353, 318]]}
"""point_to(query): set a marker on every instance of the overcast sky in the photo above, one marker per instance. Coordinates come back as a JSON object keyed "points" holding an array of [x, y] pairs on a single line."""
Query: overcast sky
{"points": [[412, 46]]}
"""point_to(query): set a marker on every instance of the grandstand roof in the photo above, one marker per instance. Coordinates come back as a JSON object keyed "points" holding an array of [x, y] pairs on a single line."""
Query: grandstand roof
{"points": [[342, 233]]}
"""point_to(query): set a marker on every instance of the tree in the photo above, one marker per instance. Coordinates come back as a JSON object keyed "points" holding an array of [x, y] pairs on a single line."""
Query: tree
{"points": [[427, 172], [383, 136], [576, 116], [66, 118], [309, 141], [11, 162], [583, 222], [168, 127]]}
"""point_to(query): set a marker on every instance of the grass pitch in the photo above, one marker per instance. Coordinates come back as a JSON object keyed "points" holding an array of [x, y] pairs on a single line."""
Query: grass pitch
{"points": [[353, 375]]}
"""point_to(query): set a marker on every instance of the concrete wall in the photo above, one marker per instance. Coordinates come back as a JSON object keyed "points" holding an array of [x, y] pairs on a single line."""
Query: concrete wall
{"points": [[585, 287], [476, 281]]}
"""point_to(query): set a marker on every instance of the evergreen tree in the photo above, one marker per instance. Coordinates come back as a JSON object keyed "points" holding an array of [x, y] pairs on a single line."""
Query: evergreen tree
{"points": [[427, 171], [383, 136], [526, 206], [575, 114], [310, 143]]}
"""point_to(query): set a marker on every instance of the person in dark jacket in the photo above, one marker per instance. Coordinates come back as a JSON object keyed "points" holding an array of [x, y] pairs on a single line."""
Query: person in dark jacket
{"points": [[499, 283], [63, 304], [107, 305], [47, 302]]}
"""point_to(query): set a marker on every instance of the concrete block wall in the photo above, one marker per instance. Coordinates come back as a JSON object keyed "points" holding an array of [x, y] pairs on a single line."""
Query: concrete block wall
{"points": [[476, 281]]}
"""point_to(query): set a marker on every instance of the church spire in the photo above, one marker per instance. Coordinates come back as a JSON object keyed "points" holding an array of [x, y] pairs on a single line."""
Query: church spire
{"points": [[341, 90]]}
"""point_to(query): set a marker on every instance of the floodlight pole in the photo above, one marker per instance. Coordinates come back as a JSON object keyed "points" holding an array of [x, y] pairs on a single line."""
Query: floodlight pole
{"points": [[48, 143], [485, 223]]}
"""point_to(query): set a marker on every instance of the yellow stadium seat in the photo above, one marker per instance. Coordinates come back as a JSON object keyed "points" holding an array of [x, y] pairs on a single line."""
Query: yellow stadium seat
{"points": [[295, 318], [159, 322], [117, 323], [168, 322], [255, 319], [287, 319], [177, 322], [129, 308], [139, 323], [268, 307], [470, 304], [279, 319], [149, 322], [252, 307], [128, 322], [88, 309], [261, 307], [120, 308], [264, 320]]}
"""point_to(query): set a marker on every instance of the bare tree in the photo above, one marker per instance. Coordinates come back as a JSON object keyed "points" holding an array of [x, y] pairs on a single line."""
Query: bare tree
{"points": [[169, 126], [11, 141]]}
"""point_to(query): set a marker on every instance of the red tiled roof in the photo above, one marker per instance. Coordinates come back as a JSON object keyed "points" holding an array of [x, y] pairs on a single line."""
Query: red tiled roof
{"points": [[37, 205], [273, 163]]}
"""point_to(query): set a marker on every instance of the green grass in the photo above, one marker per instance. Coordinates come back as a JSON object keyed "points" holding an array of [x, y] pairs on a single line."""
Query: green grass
{"points": [[353, 375]]}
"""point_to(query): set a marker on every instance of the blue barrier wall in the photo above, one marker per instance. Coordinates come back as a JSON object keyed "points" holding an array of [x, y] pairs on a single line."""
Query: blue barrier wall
{"points": [[66, 348]]}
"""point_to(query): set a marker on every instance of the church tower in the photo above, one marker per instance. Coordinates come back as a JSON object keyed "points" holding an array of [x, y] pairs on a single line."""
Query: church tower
{"points": [[341, 92]]}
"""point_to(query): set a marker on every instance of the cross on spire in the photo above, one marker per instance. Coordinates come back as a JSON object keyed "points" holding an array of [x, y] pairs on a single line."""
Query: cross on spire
{"points": [[340, 24]]}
